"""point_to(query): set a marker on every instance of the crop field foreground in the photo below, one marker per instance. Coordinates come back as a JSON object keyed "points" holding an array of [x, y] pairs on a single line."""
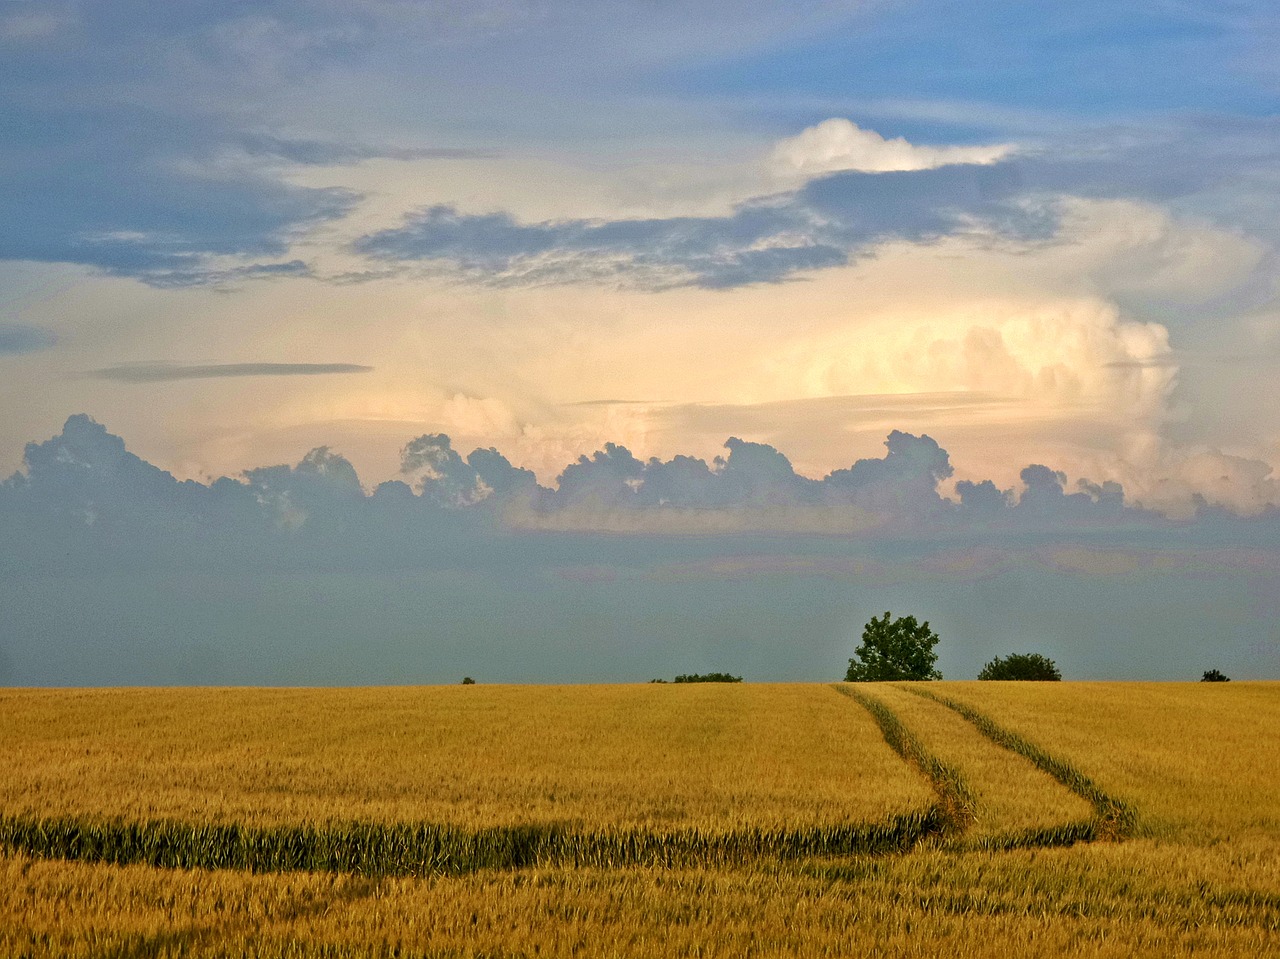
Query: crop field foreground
{"points": [[958, 819]]}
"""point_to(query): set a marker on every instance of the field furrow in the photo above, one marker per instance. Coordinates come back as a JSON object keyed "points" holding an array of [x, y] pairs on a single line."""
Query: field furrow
{"points": [[956, 802], [1015, 803], [1112, 818], [1200, 760]]}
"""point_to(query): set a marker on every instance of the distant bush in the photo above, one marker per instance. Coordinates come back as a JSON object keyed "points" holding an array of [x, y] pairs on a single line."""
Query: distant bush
{"points": [[1027, 666], [468, 681], [1214, 676], [708, 678]]}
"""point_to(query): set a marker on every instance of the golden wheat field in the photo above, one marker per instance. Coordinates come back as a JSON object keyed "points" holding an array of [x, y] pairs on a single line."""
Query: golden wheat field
{"points": [[470, 756], [940, 819]]}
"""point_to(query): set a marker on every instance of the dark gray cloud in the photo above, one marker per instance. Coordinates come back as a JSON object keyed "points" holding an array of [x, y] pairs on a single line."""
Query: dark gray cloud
{"points": [[1213, 167], [124, 192], [85, 482], [19, 338], [163, 372], [766, 240], [135, 142], [149, 145], [655, 253]]}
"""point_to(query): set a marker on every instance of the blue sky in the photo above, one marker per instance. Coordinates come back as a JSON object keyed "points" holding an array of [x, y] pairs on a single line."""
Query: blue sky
{"points": [[1090, 62], [1041, 236]]}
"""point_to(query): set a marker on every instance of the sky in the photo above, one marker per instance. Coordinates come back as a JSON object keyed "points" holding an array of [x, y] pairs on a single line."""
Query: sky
{"points": [[760, 319]]}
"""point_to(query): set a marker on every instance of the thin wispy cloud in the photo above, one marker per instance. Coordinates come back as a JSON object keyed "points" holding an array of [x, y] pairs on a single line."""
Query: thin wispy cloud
{"points": [[222, 277], [162, 372], [334, 153], [1151, 363]]}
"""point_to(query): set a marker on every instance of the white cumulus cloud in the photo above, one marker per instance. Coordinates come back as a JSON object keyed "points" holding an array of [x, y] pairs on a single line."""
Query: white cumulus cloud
{"points": [[839, 144]]}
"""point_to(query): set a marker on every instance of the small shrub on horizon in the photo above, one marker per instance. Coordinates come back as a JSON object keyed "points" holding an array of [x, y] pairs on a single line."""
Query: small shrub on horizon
{"points": [[1214, 676], [707, 678], [1022, 666]]}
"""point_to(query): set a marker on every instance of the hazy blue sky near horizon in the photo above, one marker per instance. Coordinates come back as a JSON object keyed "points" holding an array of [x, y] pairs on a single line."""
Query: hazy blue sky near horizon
{"points": [[968, 309]]}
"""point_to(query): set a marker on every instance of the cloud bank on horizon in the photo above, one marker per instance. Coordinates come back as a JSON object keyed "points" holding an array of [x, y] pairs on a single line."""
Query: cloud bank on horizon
{"points": [[84, 481], [115, 571]]}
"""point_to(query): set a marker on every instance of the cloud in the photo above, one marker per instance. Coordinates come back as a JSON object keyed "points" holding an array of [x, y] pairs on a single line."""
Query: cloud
{"points": [[450, 481], [904, 481], [1242, 484], [139, 165], [165, 372], [29, 27], [1148, 363], [85, 479], [161, 166], [764, 240], [152, 204], [1045, 495], [839, 144], [112, 571], [18, 338], [335, 153], [756, 245], [207, 274], [1210, 169], [1081, 183], [203, 164]]}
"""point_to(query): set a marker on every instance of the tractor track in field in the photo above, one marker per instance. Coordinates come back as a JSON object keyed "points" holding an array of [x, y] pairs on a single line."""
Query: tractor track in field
{"points": [[957, 804], [1113, 819]]}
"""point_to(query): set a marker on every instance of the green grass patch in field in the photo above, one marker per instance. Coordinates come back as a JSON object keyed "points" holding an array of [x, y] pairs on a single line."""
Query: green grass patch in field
{"points": [[420, 849]]}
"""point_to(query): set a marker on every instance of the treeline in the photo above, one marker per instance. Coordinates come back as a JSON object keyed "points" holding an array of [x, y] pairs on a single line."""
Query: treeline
{"points": [[702, 678]]}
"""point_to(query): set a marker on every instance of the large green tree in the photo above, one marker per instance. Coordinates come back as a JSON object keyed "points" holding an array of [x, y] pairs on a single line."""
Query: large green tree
{"points": [[894, 649]]}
